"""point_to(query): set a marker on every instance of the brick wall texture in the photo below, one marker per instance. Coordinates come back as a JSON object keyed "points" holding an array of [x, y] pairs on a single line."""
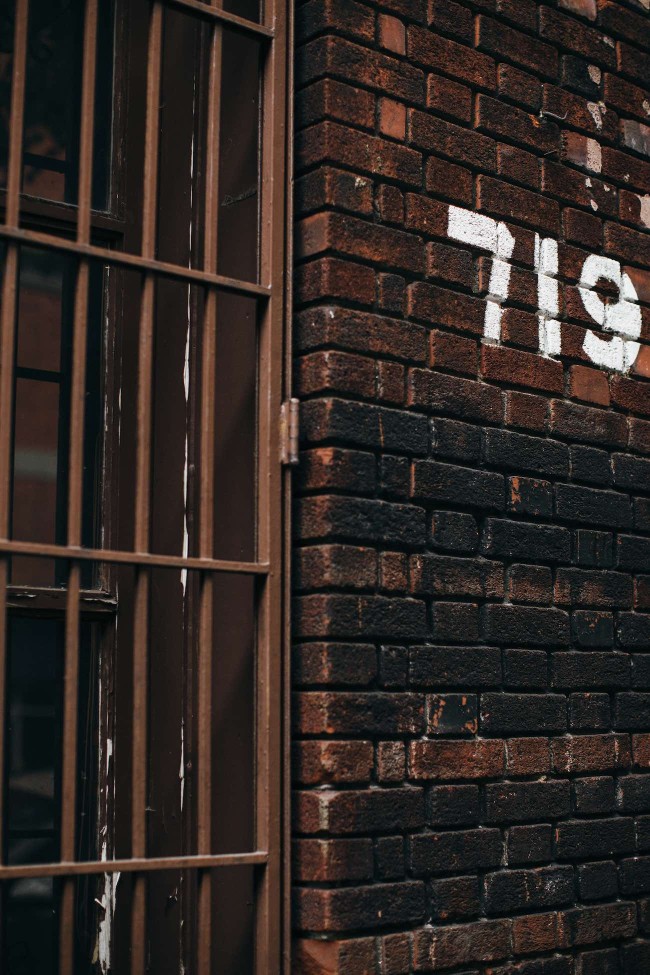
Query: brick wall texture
{"points": [[472, 519]]}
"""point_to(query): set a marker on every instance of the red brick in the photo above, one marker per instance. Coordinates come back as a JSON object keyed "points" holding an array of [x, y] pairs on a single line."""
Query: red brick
{"points": [[589, 385], [590, 753], [514, 203], [500, 364], [588, 42], [333, 99], [443, 178], [437, 53], [520, 87], [323, 861], [333, 278], [392, 119], [505, 43], [447, 947], [526, 411], [449, 98], [449, 17], [350, 957], [453, 353], [447, 761], [392, 34], [631, 394], [584, 8], [535, 934], [641, 750], [528, 756]]}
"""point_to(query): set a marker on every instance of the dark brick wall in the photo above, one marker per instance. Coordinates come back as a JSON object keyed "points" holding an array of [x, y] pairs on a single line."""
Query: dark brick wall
{"points": [[472, 522]]}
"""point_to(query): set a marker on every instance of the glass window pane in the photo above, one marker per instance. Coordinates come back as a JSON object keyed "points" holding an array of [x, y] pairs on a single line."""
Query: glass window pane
{"points": [[53, 99], [42, 409], [33, 796]]}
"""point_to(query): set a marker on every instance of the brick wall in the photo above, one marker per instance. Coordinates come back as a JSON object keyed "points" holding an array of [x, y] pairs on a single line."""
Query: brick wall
{"points": [[472, 556]]}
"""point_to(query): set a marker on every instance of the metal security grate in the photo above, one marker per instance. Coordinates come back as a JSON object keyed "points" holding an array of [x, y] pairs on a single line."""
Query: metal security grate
{"points": [[141, 545]]}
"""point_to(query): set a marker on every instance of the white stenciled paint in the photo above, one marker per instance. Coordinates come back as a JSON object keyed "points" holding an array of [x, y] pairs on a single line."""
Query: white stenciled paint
{"points": [[548, 296], [477, 230], [623, 317]]}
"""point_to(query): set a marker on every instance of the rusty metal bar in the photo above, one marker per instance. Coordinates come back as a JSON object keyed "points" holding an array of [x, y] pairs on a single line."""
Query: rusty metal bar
{"points": [[7, 340], [215, 14], [134, 262], [133, 558], [269, 632], [142, 491], [75, 491], [206, 494], [78, 868]]}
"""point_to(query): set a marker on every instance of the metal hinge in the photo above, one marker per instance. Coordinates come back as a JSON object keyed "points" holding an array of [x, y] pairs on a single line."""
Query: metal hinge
{"points": [[289, 428]]}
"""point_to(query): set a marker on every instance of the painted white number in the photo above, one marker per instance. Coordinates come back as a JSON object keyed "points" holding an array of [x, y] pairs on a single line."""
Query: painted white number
{"points": [[480, 231], [623, 317]]}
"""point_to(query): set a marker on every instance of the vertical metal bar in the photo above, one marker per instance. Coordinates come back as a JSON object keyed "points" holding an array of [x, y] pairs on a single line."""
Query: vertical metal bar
{"points": [[269, 630], [142, 493], [7, 341], [206, 497], [75, 492]]}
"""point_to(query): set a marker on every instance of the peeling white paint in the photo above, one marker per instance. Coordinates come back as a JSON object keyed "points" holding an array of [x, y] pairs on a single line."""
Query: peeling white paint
{"points": [[595, 112], [594, 156], [645, 102], [593, 205], [108, 900], [186, 386], [595, 73], [181, 771], [644, 213]]}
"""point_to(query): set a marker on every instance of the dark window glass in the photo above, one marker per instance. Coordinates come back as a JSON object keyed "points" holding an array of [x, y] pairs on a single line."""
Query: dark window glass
{"points": [[33, 800], [42, 409], [53, 99]]}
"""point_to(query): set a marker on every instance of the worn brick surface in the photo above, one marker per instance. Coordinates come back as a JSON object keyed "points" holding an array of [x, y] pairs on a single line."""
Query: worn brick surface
{"points": [[471, 571]]}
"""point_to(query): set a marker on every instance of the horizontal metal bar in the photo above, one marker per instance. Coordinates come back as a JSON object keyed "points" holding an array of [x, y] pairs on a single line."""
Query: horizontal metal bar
{"points": [[63, 215], [223, 17], [133, 558], [136, 865], [93, 603], [134, 261]]}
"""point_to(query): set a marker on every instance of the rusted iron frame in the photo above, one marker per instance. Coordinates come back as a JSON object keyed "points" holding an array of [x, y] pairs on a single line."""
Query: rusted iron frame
{"points": [[7, 341], [78, 868], [134, 262], [116, 556], [214, 12], [75, 492], [139, 777], [270, 371], [268, 819], [206, 493]]}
